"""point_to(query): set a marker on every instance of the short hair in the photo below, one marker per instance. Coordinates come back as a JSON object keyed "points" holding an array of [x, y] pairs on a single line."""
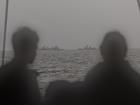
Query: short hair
{"points": [[24, 38], [112, 34]]}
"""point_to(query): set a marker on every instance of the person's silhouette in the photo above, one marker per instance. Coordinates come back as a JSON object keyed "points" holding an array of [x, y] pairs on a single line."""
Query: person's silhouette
{"points": [[64, 93], [18, 84], [58, 93], [113, 81]]}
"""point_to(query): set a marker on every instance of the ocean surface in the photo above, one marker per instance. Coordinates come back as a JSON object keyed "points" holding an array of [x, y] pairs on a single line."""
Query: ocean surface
{"points": [[71, 65]]}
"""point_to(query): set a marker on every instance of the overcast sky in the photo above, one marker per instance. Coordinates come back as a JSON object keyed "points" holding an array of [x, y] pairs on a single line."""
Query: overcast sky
{"points": [[73, 23]]}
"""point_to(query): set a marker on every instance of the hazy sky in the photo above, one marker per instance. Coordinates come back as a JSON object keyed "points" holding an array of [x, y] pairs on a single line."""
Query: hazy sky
{"points": [[74, 23]]}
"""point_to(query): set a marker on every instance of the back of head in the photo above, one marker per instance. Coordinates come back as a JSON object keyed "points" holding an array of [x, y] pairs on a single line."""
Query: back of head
{"points": [[114, 46], [58, 93], [25, 41]]}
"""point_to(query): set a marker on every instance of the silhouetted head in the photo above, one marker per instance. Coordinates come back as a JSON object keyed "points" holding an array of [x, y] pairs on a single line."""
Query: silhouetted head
{"points": [[25, 41], [59, 93], [114, 47]]}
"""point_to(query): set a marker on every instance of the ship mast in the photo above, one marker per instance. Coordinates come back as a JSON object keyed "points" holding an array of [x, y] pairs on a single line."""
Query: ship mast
{"points": [[5, 31], [138, 1]]}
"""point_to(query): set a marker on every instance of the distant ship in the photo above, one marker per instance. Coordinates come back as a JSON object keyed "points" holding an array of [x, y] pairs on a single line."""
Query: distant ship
{"points": [[51, 48], [87, 47]]}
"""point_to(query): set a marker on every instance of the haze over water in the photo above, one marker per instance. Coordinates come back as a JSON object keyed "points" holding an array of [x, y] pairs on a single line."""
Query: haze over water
{"points": [[73, 24]]}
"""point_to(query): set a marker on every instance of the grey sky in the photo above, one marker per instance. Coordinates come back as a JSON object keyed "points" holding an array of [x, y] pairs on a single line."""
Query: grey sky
{"points": [[74, 23]]}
